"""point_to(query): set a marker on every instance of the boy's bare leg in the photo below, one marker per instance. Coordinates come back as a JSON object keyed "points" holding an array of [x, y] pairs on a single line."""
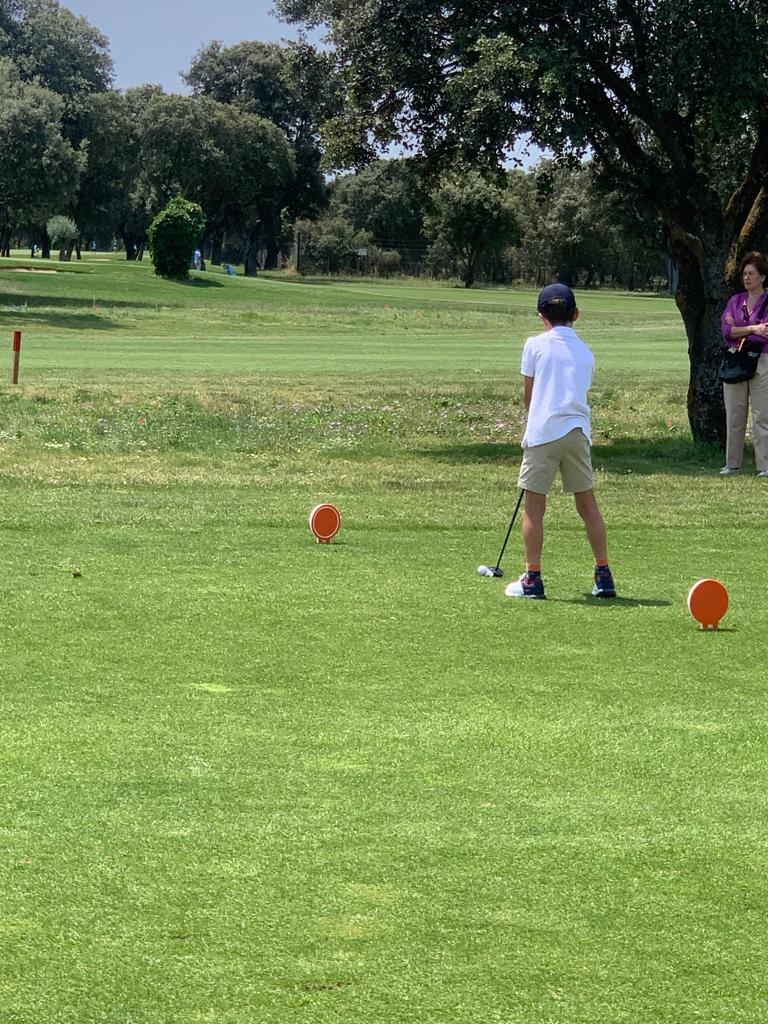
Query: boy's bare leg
{"points": [[533, 526], [586, 506]]}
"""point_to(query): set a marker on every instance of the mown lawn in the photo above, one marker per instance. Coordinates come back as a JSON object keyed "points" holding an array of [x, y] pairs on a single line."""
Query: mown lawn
{"points": [[249, 779]]}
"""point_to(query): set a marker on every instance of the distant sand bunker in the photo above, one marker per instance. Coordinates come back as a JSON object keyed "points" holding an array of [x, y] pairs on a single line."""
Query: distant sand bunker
{"points": [[32, 270]]}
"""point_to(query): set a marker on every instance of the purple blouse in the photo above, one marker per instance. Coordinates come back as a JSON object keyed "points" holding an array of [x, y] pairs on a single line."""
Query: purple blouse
{"points": [[736, 315]]}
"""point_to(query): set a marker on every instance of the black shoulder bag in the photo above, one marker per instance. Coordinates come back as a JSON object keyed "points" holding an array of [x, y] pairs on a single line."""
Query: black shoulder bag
{"points": [[736, 367]]}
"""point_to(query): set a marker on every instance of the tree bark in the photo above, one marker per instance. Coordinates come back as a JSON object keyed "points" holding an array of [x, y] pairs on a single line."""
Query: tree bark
{"points": [[270, 238], [45, 244], [251, 254], [701, 297], [467, 270], [273, 252], [251, 260], [130, 252], [134, 246]]}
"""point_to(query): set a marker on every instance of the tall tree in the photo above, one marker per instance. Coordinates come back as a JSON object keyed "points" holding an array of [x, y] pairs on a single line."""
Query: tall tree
{"points": [[471, 218], [651, 87], [237, 166], [573, 228], [39, 169], [52, 47], [134, 213], [107, 176], [387, 199], [291, 86]]}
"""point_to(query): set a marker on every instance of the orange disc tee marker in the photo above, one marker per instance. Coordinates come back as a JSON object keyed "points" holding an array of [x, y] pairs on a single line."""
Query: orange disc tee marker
{"points": [[708, 602], [325, 522]]}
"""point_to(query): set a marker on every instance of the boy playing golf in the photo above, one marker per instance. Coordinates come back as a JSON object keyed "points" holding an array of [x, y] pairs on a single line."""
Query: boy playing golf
{"points": [[557, 370]]}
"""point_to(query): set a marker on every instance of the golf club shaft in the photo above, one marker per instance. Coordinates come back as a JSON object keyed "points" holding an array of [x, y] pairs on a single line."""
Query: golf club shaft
{"points": [[509, 531]]}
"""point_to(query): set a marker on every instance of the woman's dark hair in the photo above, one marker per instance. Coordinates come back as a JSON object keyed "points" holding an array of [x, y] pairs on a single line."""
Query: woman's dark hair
{"points": [[758, 261]]}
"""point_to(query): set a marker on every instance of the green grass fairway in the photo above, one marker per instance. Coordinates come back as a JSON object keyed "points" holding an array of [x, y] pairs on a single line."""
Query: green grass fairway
{"points": [[248, 779]]}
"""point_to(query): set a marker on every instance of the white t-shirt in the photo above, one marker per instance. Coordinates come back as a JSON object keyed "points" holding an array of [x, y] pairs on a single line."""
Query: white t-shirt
{"points": [[562, 367]]}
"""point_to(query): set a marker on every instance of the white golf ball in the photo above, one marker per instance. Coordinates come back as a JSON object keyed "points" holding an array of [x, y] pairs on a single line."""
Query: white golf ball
{"points": [[483, 570]]}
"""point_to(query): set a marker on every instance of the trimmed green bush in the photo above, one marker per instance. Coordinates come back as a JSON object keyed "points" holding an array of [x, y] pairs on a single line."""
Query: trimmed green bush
{"points": [[173, 235]]}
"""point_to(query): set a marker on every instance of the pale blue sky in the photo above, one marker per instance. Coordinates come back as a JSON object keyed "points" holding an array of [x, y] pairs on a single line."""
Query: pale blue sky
{"points": [[152, 40]]}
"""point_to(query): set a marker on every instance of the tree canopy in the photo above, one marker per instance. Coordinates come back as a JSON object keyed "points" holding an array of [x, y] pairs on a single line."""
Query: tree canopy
{"points": [[237, 166], [290, 86], [52, 46], [673, 114], [387, 199], [471, 217], [39, 169]]}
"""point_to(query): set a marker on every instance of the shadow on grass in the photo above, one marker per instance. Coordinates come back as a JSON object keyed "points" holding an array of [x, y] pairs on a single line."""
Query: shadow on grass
{"points": [[18, 303], [319, 282], [613, 602], [62, 321], [201, 282], [624, 455]]}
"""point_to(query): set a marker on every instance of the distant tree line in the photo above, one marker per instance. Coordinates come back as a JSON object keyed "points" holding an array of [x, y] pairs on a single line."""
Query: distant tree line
{"points": [[82, 162], [73, 150], [557, 220]]}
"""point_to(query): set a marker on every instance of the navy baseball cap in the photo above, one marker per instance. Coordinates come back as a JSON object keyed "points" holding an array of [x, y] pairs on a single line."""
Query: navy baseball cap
{"points": [[558, 300]]}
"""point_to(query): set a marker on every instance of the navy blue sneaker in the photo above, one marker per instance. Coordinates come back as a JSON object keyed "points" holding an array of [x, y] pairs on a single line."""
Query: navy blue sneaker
{"points": [[603, 582], [529, 585]]}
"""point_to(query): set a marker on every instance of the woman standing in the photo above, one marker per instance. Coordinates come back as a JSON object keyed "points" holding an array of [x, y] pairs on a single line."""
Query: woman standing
{"points": [[746, 316]]}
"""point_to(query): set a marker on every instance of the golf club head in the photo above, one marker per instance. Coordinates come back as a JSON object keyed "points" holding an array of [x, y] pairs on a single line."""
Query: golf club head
{"points": [[493, 571]]}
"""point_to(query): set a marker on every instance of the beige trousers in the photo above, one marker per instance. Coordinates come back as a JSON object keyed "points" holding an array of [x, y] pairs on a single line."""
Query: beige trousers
{"points": [[738, 398]]}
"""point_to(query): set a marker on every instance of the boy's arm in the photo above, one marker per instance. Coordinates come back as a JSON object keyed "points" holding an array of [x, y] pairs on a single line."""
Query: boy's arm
{"points": [[527, 392]]}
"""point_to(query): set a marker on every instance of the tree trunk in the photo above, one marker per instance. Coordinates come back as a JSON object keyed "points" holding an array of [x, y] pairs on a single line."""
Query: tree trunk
{"points": [[251, 254], [467, 271], [701, 297], [251, 261], [273, 251], [45, 244], [134, 246], [130, 252], [296, 254], [217, 244], [270, 238]]}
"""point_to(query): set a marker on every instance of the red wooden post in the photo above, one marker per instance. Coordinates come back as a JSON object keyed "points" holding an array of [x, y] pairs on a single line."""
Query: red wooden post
{"points": [[16, 356]]}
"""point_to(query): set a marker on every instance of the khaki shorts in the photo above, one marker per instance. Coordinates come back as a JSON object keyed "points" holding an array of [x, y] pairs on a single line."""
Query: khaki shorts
{"points": [[570, 454]]}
